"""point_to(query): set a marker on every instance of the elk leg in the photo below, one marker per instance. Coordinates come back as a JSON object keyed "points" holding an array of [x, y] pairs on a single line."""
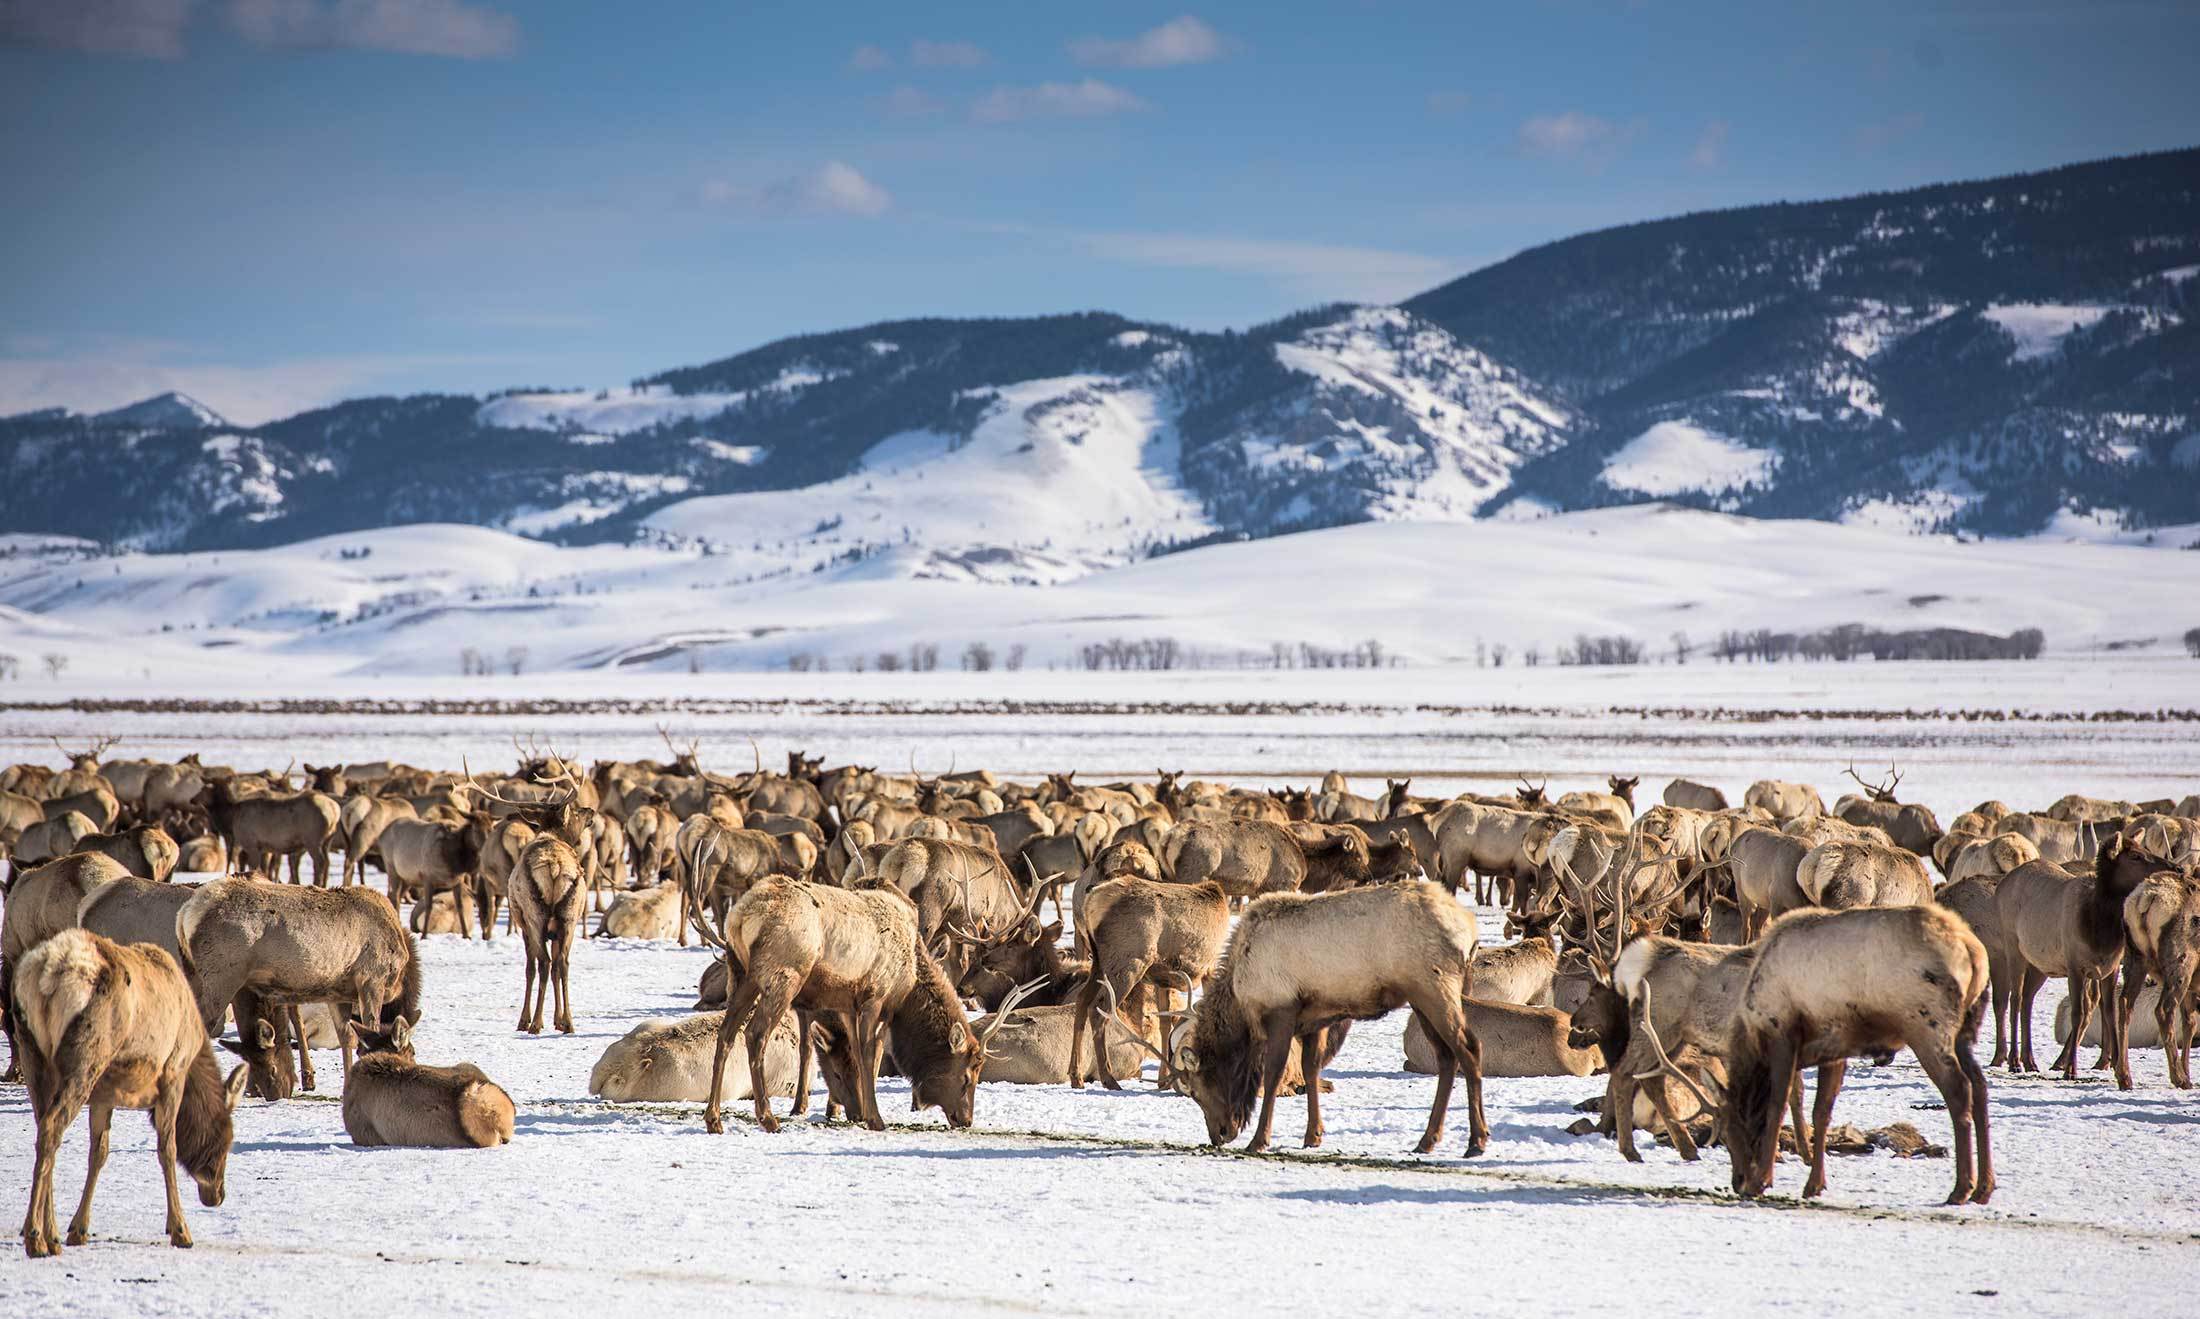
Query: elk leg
{"points": [[1447, 1068], [305, 1055], [1088, 1009], [165, 1106], [1619, 1098], [1829, 1085], [2081, 1016], [1795, 1118], [2119, 1007], [801, 1065], [1310, 1072], [39, 1237], [80, 1227], [1275, 1040], [563, 964], [2028, 989], [865, 1031], [1684, 1143], [727, 1027], [1780, 1067]]}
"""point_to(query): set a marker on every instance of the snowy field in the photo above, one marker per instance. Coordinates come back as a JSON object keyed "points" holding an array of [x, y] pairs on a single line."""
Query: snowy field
{"points": [[1064, 1202]]}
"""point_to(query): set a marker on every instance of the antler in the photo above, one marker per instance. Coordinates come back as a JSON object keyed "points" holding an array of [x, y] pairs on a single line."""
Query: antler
{"points": [[1882, 791], [1015, 999], [1665, 1065]]}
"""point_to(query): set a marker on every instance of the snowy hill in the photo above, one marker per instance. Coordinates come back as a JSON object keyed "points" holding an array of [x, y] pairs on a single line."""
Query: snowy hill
{"points": [[410, 600], [2010, 357]]}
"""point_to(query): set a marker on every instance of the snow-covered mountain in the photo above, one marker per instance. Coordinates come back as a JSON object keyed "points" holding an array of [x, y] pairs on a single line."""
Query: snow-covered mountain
{"points": [[2011, 357]]}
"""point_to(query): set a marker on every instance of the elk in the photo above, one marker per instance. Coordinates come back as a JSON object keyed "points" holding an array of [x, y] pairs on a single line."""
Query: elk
{"points": [[1916, 977], [95, 803], [51, 838], [668, 1060], [2058, 841], [2079, 808], [1491, 841], [41, 903], [2162, 921], [1615, 809], [549, 901], [284, 945], [2062, 924], [430, 856], [1694, 796], [1841, 875], [1975, 899], [266, 828], [1910, 826], [1297, 965], [1763, 864], [649, 913], [113, 1027], [1785, 802], [1039, 1046], [1962, 856], [1516, 1040], [361, 824], [1141, 931], [855, 953], [718, 865], [146, 851], [1247, 857], [390, 1099]]}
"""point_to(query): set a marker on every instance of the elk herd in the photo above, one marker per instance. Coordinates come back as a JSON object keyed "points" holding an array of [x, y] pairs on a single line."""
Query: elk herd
{"points": [[964, 928]]}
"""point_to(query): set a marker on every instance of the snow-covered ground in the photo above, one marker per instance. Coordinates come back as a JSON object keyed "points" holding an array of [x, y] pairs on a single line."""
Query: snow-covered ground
{"points": [[408, 601], [1089, 1202], [1674, 456]]}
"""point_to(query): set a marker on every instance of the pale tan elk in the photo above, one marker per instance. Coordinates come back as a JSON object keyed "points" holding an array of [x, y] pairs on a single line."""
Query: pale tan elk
{"points": [[1516, 1040], [1140, 931], [1762, 863], [1992, 857], [391, 1099], [146, 851], [113, 1027], [360, 824], [2081, 808], [549, 905], [41, 903], [1694, 796], [1298, 965], [668, 1060], [1911, 976], [646, 913], [96, 803], [855, 953], [1975, 899], [2062, 924], [1034, 1045], [1841, 875], [287, 945], [51, 838], [2162, 921], [2059, 841], [1785, 801]]}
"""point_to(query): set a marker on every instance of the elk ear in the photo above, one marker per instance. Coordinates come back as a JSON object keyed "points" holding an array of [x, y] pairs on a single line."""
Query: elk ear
{"points": [[233, 1088], [1186, 1060], [958, 1037], [267, 1034], [401, 1035]]}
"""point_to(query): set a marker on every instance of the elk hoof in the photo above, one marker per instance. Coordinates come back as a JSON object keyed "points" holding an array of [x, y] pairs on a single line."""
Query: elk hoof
{"points": [[1313, 1141], [1256, 1146], [1477, 1147], [1425, 1147], [1813, 1188], [180, 1238], [1982, 1193], [38, 1245], [77, 1235]]}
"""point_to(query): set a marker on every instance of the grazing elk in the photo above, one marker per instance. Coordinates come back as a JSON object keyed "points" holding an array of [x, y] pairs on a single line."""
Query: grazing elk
{"points": [[1914, 977], [390, 1099], [285, 945], [1298, 965], [114, 1027], [430, 856], [1141, 931]]}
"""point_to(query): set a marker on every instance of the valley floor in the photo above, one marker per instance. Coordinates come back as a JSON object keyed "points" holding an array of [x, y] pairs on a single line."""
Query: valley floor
{"points": [[1069, 1202]]}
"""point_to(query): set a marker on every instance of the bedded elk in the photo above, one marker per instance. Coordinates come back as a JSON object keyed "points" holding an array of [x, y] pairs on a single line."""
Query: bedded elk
{"points": [[1516, 1040], [2061, 923], [287, 945], [1916, 977], [668, 1060], [1036, 1046], [392, 1099], [1299, 964], [110, 1027], [646, 913], [1140, 931], [855, 953]]}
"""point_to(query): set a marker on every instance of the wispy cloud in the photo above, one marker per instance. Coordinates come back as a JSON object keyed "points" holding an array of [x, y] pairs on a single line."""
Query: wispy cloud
{"points": [[410, 27], [868, 58], [1317, 271], [1575, 136], [1088, 99], [1710, 149], [1183, 40], [946, 54], [110, 373], [147, 29], [833, 188], [1879, 134]]}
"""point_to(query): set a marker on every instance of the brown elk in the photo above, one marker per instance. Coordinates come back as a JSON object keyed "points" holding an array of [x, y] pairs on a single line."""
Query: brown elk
{"points": [[1785, 801], [113, 1027], [96, 803], [41, 903], [2162, 921], [1914, 976], [52, 838], [1974, 898], [281, 945], [1841, 875], [1694, 796], [1141, 931], [391, 1099], [265, 828], [1298, 965], [146, 851], [1909, 825], [549, 897], [2062, 924], [717, 865], [855, 953], [1247, 858], [429, 856]]}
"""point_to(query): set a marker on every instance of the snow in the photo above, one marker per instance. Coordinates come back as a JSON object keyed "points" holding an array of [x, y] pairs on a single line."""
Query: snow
{"points": [[1674, 457], [2039, 327], [1096, 1201], [422, 594], [164, 410], [605, 412]]}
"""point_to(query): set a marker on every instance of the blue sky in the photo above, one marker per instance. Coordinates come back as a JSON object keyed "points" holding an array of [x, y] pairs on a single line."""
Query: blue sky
{"points": [[272, 203]]}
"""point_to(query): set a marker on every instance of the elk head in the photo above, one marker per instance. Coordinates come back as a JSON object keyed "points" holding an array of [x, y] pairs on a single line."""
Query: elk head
{"points": [[955, 1088], [1624, 789], [1531, 795], [1395, 798], [1882, 790]]}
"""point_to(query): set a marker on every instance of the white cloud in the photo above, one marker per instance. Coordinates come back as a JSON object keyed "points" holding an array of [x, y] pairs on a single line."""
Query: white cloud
{"points": [[1318, 271], [1574, 135], [1183, 40], [408, 27], [834, 188], [149, 29], [1088, 99], [113, 373], [945, 54], [906, 102], [868, 58], [1710, 149]]}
